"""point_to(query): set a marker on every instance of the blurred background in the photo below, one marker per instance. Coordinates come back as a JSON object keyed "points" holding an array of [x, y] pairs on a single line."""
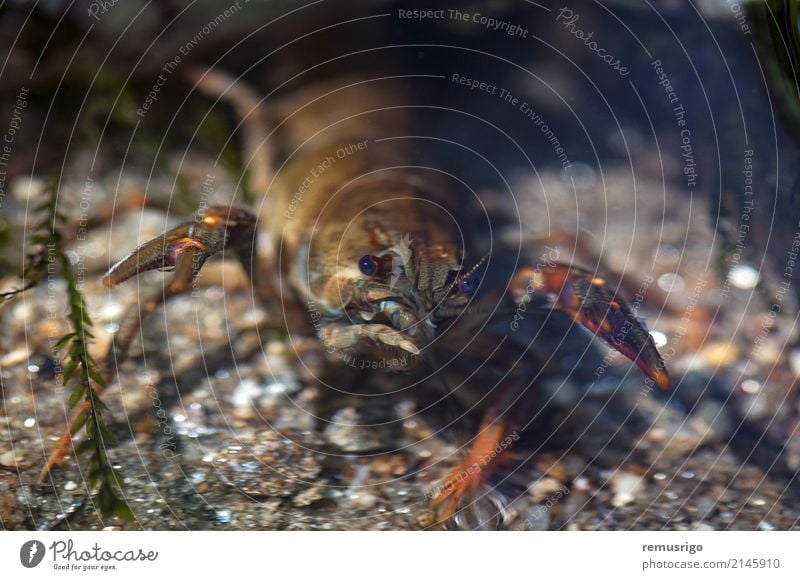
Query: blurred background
{"points": [[653, 141]]}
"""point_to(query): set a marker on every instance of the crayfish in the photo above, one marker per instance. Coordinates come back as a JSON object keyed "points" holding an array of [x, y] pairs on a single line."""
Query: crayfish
{"points": [[363, 241]]}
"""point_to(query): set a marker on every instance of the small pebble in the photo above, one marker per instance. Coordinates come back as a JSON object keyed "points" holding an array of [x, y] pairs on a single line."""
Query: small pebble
{"points": [[70, 485], [705, 506], [539, 490], [719, 353], [625, 486], [744, 277], [703, 527], [794, 361], [755, 407], [765, 526], [581, 174], [245, 393], [28, 187], [671, 282], [367, 500], [8, 459], [346, 432], [14, 357], [581, 484], [751, 387], [309, 496], [538, 520], [426, 517]]}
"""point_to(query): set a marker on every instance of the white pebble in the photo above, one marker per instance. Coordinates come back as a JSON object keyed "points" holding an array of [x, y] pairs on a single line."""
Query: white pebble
{"points": [[539, 490], [671, 282], [582, 175], [7, 459], [744, 277], [751, 387], [111, 310], [29, 422], [765, 526], [794, 361], [28, 187], [70, 485], [625, 486], [224, 516], [365, 500], [245, 392], [276, 389], [581, 484]]}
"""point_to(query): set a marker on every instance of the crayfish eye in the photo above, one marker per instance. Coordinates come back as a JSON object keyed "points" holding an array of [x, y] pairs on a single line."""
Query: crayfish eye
{"points": [[469, 284], [368, 265]]}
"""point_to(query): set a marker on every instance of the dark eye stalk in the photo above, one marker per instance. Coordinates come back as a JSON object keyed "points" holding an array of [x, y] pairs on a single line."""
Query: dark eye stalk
{"points": [[368, 265], [469, 283]]}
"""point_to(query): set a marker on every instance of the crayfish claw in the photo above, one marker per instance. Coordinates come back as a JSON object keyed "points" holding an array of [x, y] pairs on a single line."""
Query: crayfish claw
{"points": [[160, 253], [218, 228], [587, 299]]}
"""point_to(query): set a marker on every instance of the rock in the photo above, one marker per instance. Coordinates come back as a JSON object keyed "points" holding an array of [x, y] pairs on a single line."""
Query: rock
{"points": [[537, 520], [705, 507], [794, 361], [681, 442], [361, 495], [345, 432], [626, 486], [426, 517], [711, 421], [765, 526], [703, 527], [755, 407], [14, 357], [391, 465], [8, 459], [539, 490], [793, 450], [28, 187], [309, 496]]}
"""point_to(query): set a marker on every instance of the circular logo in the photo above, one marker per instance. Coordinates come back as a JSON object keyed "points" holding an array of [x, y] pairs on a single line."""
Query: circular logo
{"points": [[31, 553]]}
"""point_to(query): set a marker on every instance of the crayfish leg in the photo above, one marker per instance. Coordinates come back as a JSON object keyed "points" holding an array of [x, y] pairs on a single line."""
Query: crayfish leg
{"points": [[463, 484]]}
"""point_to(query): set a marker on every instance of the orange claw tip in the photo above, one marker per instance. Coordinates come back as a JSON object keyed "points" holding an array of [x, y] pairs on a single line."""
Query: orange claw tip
{"points": [[658, 375]]}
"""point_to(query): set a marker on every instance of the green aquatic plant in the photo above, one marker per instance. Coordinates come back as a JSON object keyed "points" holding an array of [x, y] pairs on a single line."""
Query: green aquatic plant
{"points": [[47, 259], [777, 30]]}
